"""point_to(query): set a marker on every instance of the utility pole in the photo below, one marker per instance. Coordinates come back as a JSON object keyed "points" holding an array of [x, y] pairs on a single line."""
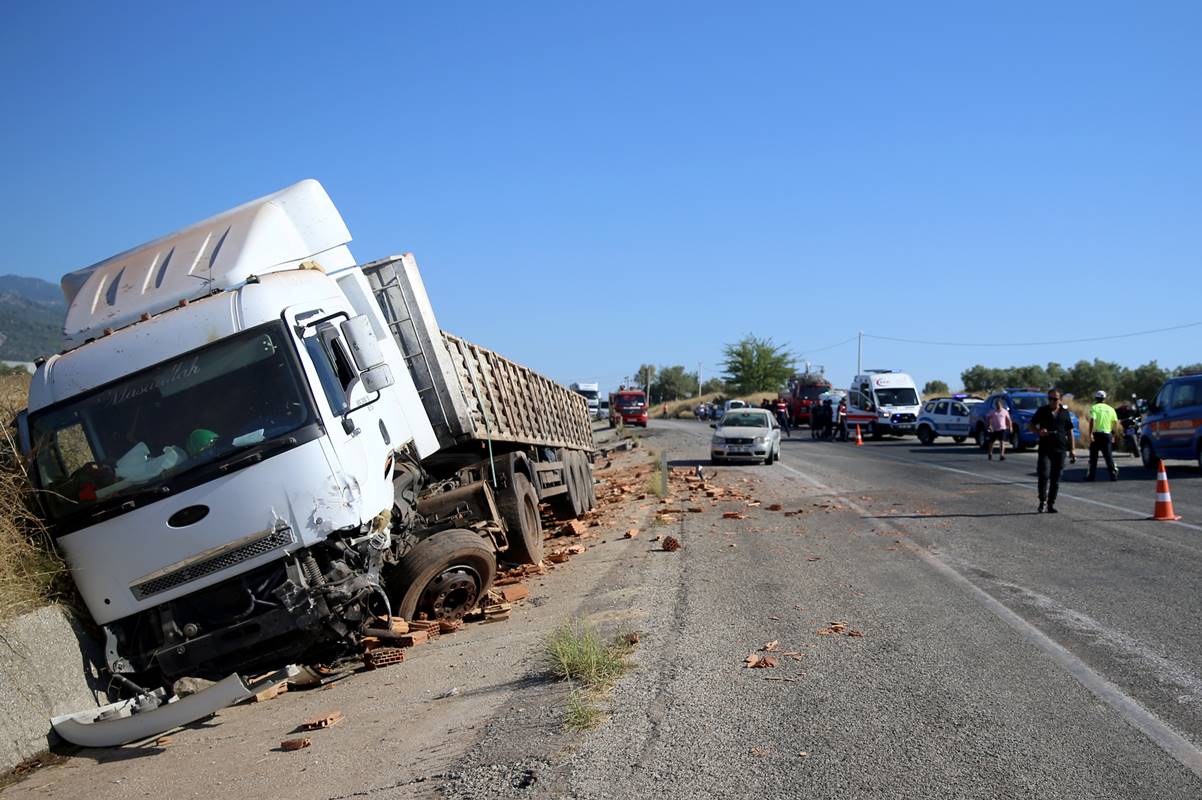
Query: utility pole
{"points": [[860, 353], [700, 382]]}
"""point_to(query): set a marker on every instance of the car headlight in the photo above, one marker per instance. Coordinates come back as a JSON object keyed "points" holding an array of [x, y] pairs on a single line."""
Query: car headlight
{"points": [[761, 440], [717, 440], [884, 415]]}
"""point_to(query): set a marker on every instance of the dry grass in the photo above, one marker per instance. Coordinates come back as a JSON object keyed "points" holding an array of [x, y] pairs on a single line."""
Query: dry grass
{"points": [[31, 574], [683, 409], [576, 653]]}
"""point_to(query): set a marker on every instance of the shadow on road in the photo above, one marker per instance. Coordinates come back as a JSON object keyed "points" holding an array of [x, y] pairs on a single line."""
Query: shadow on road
{"points": [[947, 516]]}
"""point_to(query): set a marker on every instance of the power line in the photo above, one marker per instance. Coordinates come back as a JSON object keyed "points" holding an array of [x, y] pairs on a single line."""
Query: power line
{"points": [[808, 351], [1029, 344]]}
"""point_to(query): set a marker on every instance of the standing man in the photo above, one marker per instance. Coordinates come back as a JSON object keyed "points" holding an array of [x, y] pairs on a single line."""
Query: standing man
{"points": [[1102, 419], [841, 419], [999, 427], [782, 416], [1054, 425]]}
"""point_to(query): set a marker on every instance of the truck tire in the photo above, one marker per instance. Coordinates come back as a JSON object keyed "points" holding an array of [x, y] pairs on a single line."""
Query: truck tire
{"points": [[444, 576], [519, 508], [570, 503], [584, 476]]}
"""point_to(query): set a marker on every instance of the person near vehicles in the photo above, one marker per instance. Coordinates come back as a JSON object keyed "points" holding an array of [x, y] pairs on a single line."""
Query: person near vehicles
{"points": [[1102, 419], [1000, 426], [815, 420], [781, 410], [1054, 425], [841, 419], [828, 419]]}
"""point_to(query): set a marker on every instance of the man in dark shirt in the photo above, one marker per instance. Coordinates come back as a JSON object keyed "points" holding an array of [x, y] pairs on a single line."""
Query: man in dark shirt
{"points": [[1054, 425]]}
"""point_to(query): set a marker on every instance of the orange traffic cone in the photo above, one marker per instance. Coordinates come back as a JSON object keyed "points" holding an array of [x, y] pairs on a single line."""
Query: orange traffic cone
{"points": [[859, 438], [1164, 500]]}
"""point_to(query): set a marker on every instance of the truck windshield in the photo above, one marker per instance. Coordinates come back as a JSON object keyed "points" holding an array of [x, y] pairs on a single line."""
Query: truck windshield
{"points": [[629, 401], [132, 438], [897, 397], [810, 392], [588, 394]]}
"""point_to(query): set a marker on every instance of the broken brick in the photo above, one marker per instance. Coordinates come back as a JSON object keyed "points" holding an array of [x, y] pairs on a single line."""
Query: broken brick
{"points": [[775, 507], [513, 594], [733, 515], [414, 638], [321, 721], [671, 544], [296, 744], [630, 534]]}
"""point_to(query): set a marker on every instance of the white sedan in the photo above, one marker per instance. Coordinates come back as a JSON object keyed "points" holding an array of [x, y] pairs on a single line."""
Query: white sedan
{"points": [[745, 434]]}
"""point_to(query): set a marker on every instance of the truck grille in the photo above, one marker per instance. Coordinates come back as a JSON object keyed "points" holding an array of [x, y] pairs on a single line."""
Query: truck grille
{"points": [[207, 565]]}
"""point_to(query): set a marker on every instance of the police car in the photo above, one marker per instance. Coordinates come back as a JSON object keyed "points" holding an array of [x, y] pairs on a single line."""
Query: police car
{"points": [[946, 416], [1022, 405], [1172, 428]]}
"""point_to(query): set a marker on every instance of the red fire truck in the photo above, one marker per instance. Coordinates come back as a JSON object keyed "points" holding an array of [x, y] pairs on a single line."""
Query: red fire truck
{"points": [[805, 391], [628, 407]]}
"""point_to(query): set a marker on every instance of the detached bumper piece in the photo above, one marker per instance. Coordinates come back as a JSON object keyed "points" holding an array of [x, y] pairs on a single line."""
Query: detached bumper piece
{"points": [[146, 716]]}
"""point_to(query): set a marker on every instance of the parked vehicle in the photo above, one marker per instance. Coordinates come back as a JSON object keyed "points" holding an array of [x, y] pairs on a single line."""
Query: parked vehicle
{"points": [[805, 391], [1022, 405], [945, 416], [1172, 427], [251, 447], [746, 434], [628, 407], [591, 393], [885, 402]]}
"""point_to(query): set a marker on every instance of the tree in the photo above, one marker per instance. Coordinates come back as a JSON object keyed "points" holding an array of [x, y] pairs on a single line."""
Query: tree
{"points": [[979, 378], [935, 387], [672, 383], [1085, 378], [756, 365], [714, 385], [1143, 381], [644, 375]]}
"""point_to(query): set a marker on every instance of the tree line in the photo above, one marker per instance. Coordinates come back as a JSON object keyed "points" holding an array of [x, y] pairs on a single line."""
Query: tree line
{"points": [[749, 365], [1080, 380]]}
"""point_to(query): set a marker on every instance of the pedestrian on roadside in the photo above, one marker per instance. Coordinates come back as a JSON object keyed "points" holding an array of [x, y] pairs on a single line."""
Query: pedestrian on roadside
{"points": [[1000, 427], [841, 419], [828, 419], [1054, 424], [1102, 419], [782, 416], [815, 419]]}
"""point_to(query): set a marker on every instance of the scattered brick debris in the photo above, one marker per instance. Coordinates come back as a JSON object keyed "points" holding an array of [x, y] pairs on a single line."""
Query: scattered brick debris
{"points": [[380, 657], [497, 613], [557, 556], [813, 558], [671, 544], [695, 509], [795, 513], [733, 515], [775, 507], [855, 633], [321, 721], [632, 637], [574, 528], [414, 638], [449, 625], [512, 594], [630, 534], [756, 661], [296, 744], [803, 754], [753, 503], [166, 741], [771, 646], [759, 751], [576, 549], [430, 626], [387, 629]]}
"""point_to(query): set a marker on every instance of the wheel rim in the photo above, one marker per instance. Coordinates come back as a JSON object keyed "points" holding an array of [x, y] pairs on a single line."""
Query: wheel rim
{"points": [[451, 593]]}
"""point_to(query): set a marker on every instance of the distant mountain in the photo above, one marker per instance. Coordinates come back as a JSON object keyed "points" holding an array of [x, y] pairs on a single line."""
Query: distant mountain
{"points": [[31, 317]]}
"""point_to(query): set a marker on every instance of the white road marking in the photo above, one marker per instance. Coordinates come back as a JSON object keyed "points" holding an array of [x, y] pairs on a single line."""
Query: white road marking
{"points": [[1164, 736]]}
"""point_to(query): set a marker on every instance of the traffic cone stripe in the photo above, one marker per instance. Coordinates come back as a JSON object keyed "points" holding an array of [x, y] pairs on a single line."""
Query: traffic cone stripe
{"points": [[1164, 500]]}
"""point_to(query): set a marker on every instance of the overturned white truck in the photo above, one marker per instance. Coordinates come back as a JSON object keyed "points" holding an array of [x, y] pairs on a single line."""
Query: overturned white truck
{"points": [[251, 446]]}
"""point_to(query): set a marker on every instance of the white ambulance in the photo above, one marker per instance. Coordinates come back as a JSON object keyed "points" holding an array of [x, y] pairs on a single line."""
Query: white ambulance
{"points": [[883, 401]]}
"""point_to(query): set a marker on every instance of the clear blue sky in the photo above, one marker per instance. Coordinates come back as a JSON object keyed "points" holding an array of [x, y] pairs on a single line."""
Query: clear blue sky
{"points": [[588, 188]]}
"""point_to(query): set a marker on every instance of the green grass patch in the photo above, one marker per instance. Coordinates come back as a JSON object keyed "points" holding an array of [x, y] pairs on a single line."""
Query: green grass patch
{"points": [[578, 654]]}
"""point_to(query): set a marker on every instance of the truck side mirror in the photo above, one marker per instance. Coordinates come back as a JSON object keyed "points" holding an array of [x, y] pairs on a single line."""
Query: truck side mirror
{"points": [[377, 378], [362, 342]]}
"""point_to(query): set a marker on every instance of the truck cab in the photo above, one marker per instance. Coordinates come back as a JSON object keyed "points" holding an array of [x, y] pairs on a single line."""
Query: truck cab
{"points": [[591, 393], [628, 407]]}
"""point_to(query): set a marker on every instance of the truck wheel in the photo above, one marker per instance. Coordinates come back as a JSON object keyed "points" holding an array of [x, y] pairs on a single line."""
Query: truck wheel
{"points": [[569, 504], [586, 482], [444, 576], [519, 509]]}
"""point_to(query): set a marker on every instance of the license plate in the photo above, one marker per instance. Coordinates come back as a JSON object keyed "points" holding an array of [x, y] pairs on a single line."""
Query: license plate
{"points": [[738, 448]]}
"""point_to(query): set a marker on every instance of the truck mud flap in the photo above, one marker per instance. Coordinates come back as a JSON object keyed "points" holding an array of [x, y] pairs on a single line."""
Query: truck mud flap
{"points": [[120, 723]]}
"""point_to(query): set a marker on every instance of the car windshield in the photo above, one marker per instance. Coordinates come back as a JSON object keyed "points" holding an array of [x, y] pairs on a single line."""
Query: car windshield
{"points": [[1027, 402], [904, 396], [139, 433], [743, 419]]}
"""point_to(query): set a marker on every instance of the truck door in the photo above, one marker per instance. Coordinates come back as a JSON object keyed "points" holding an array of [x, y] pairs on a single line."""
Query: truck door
{"points": [[359, 436]]}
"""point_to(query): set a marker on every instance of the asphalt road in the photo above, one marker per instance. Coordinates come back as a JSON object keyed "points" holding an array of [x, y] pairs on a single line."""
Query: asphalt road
{"points": [[1005, 653]]}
